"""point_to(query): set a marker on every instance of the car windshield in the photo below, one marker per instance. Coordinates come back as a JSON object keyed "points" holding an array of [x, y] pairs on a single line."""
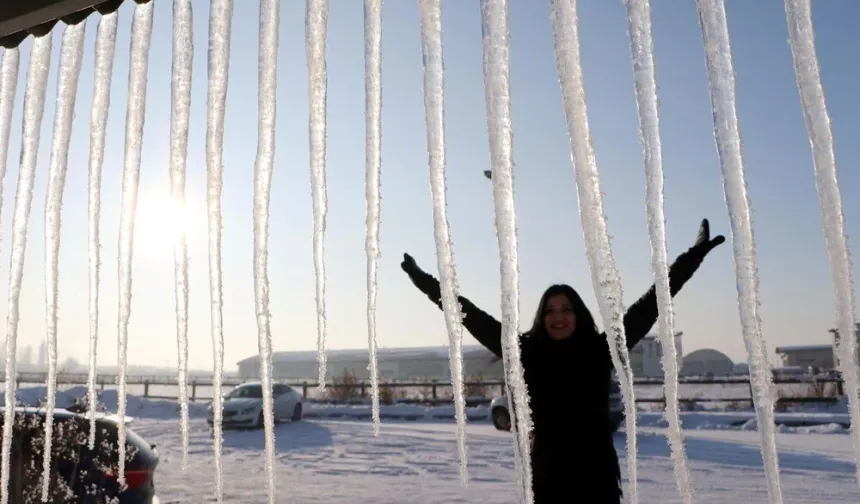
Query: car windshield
{"points": [[247, 391]]}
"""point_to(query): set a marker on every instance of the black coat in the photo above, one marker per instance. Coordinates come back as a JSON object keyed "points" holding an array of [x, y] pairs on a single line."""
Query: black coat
{"points": [[573, 456]]}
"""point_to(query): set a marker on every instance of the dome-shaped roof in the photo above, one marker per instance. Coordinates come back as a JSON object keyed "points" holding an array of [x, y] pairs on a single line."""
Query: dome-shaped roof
{"points": [[707, 361]]}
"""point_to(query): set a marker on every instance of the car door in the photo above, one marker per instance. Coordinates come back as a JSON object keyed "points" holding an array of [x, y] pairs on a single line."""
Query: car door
{"points": [[280, 398]]}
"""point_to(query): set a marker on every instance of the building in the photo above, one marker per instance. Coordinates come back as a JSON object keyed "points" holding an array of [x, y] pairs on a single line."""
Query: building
{"points": [[807, 356], [646, 358], [707, 362], [402, 364]]}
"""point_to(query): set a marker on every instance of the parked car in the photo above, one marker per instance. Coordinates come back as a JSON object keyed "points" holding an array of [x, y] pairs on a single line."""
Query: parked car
{"points": [[501, 415], [243, 406], [79, 474]]}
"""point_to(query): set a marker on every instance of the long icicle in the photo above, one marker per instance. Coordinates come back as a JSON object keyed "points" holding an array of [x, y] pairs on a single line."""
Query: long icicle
{"points": [[267, 101], [141, 36], [604, 275], [497, 92], [220, 20], [373, 166], [316, 28], [721, 86], [645, 80], [71, 57], [434, 89], [8, 89], [105, 51], [183, 57], [34, 111], [802, 38]]}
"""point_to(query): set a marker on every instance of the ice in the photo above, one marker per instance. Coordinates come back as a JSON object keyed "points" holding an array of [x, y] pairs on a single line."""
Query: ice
{"points": [[141, 36], [642, 52], [8, 89], [105, 51], [183, 57], [721, 84], [316, 28], [434, 107], [373, 162], [802, 39], [604, 275], [220, 19], [267, 100], [34, 110], [496, 41], [71, 57]]}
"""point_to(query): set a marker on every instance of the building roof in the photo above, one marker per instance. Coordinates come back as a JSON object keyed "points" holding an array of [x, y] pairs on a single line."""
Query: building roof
{"points": [[706, 355], [389, 354], [803, 348]]}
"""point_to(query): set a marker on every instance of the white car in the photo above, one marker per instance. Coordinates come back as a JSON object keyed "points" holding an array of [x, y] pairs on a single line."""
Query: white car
{"points": [[500, 411], [243, 406]]}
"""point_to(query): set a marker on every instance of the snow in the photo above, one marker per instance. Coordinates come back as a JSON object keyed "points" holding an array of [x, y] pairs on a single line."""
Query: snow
{"points": [[642, 52], [802, 38], [341, 461], [373, 162], [434, 107], [721, 86], [497, 92]]}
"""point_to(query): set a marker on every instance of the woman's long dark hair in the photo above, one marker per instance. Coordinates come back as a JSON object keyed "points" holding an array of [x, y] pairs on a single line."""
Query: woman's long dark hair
{"points": [[584, 320]]}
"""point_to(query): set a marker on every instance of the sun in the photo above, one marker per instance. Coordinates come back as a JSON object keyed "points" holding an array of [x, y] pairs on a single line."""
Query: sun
{"points": [[159, 222]]}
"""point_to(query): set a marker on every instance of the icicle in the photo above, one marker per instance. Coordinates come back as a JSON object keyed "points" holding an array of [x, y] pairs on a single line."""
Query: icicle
{"points": [[34, 110], [316, 28], [8, 89], [497, 89], [183, 57], [642, 51], [220, 19], [373, 162], [141, 36], [268, 73], [105, 51], [604, 275], [721, 84], [802, 38], [71, 56], [434, 89]]}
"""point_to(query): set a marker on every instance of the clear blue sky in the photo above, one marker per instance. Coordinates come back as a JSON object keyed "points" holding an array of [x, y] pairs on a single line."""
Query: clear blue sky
{"points": [[796, 286]]}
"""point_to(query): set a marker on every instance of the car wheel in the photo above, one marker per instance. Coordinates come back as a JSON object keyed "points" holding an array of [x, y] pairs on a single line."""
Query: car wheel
{"points": [[501, 419], [261, 421], [297, 413]]}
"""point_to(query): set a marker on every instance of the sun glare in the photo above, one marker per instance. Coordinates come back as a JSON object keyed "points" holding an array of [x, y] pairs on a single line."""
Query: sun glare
{"points": [[159, 221]]}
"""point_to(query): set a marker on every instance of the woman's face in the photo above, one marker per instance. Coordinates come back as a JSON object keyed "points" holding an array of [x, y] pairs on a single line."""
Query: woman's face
{"points": [[559, 318]]}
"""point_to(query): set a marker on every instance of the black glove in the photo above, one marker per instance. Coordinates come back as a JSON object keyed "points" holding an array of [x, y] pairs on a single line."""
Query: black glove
{"points": [[425, 282], [704, 242]]}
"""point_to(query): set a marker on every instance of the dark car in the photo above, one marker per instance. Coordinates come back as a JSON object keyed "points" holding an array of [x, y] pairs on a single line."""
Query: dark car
{"points": [[501, 415], [79, 474]]}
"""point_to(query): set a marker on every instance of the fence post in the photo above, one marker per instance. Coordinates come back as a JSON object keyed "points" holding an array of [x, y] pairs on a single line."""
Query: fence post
{"points": [[434, 385], [304, 390], [193, 389], [146, 388]]}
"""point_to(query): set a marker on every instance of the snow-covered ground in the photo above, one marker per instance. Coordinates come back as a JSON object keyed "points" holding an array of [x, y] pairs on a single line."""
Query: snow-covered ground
{"points": [[329, 461], [333, 457]]}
